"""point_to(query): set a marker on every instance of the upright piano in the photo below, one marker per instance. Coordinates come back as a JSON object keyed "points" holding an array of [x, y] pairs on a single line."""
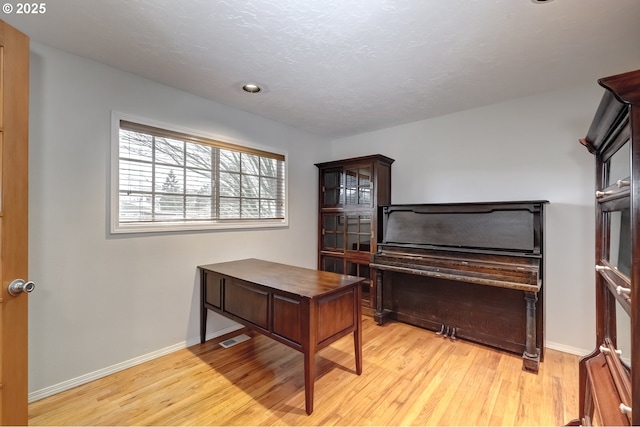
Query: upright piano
{"points": [[465, 270]]}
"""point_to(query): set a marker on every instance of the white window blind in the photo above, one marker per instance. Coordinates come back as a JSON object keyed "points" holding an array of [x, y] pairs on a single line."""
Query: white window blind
{"points": [[172, 180]]}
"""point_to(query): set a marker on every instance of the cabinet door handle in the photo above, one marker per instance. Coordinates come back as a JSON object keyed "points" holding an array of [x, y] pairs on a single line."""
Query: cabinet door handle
{"points": [[606, 350], [625, 409], [622, 290]]}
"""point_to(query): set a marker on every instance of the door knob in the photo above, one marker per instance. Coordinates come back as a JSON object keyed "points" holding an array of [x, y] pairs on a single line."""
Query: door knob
{"points": [[18, 286]]}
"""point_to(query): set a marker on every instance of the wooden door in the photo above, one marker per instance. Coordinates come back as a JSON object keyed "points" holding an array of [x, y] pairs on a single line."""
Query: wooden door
{"points": [[14, 127]]}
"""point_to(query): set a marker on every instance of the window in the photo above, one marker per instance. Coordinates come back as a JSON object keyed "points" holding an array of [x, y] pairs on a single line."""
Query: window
{"points": [[167, 180]]}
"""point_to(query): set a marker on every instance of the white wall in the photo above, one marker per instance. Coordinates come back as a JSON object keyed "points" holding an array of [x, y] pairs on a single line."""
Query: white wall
{"points": [[526, 149], [102, 300]]}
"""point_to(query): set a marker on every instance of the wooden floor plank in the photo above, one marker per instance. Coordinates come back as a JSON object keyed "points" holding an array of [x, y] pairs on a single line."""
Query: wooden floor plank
{"points": [[411, 376]]}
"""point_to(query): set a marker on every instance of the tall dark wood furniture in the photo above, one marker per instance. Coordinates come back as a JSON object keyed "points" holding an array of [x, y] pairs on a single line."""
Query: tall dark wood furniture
{"points": [[466, 270], [304, 309], [350, 192], [609, 379]]}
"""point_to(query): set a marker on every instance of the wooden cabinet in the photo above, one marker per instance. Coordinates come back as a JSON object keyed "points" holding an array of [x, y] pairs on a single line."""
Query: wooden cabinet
{"points": [[609, 376], [350, 192]]}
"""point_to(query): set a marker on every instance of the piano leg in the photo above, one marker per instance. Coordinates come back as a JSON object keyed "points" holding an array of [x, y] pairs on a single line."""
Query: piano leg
{"points": [[381, 313], [531, 355]]}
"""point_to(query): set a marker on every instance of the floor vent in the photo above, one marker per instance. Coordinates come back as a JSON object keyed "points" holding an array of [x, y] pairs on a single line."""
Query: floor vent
{"points": [[233, 341]]}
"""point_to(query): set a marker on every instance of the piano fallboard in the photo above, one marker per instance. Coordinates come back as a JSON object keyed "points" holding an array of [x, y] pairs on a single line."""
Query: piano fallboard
{"points": [[490, 269]]}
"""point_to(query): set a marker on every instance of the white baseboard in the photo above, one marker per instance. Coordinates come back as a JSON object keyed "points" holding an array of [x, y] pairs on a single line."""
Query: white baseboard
{"points": [[566, 349], [100, 373], [580, 352]]}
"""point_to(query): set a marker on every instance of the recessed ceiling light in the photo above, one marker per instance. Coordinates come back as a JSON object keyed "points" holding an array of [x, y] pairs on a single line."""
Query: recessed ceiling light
{"points": [[541, 1], [251, 88]]}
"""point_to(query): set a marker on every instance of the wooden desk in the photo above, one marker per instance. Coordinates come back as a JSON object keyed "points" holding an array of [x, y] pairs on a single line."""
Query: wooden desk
{"points": [[302, 308]]}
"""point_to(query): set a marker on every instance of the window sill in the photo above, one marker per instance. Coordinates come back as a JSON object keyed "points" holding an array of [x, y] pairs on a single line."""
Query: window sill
{"points": [[201, 226]]}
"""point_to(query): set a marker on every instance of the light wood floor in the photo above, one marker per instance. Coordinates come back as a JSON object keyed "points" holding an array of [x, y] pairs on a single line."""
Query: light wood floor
{"points": [[410, 377]]}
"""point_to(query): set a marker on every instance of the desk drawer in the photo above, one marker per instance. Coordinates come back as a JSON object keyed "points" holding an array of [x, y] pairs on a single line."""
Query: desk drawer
{"points": [[246, 302]]}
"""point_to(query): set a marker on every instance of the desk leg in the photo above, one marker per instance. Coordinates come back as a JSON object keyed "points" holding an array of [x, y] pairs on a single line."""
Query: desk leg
{"points": [[203, 310], [203, 324], [357, 334], [309, 380], [309, 322]]}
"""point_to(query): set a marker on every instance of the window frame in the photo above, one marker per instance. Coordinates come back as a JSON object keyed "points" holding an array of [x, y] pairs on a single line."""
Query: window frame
{"points": [[117, 227]]}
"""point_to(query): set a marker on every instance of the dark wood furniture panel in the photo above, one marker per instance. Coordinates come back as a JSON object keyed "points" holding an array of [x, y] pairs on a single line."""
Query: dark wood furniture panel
{"points": [[249, 303], [213, 291], [335, 313], [466, 270], [350, 192], [304, 309], [488, 315], [287, 324], [609, 383]]}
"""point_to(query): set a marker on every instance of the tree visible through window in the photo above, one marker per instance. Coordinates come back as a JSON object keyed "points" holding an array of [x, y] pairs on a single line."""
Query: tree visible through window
{"points": [[166, 177]]}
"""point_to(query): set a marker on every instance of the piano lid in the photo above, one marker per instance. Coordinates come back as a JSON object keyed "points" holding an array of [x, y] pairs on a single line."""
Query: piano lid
{"points": [[502, 226]]}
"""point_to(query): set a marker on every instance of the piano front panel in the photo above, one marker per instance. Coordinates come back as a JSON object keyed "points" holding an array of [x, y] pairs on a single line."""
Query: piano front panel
{"points": [[488, 315]]}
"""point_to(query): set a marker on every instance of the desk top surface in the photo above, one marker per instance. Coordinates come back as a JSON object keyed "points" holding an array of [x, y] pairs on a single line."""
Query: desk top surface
{"points": [[296, 280]]}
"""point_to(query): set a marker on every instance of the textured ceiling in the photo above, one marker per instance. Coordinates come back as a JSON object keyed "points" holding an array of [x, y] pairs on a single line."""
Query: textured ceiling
{"points": [[341, 67]]}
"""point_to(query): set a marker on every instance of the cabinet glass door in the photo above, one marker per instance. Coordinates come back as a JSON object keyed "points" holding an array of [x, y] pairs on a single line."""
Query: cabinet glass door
{"points": [[332, 264], [623, 334], [359, 233], [620, 240], [619, 166], [347, 187], [362, 270], [358, 186], [332, 187], [333, 232]]}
